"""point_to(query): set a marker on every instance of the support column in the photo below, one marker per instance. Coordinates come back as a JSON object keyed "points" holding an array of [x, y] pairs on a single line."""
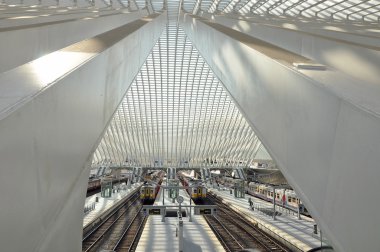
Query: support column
{"points": [[274, 203], [56, 110], [180, 231], [190, 220], [298, 211], [30, 42], [325, 118]]}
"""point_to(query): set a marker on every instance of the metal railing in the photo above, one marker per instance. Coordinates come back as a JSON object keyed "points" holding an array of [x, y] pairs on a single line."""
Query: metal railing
{"points": [[89, 207]]}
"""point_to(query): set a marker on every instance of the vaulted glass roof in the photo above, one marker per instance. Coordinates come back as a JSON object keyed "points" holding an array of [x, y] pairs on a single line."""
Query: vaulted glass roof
{"points": [[328, 10], [177, 113]]}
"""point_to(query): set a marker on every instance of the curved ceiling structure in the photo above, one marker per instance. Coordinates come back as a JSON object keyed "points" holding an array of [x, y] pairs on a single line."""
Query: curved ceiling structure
{"points": [[176, 113], [319, 118], [339, 10]]}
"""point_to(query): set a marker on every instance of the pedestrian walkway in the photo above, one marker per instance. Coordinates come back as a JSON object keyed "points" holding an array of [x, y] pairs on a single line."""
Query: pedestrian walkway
{"points": [[162, 236]]}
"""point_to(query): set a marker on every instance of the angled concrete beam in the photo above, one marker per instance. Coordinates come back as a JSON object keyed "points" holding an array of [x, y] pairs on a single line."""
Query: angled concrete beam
{"points": [[23, 40], [53, 111], [320, 126], [333, 46]]}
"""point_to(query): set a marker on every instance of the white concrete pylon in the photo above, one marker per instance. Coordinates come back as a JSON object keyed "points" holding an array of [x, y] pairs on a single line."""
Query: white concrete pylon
{"points": [[321, 127], [49, 125]]}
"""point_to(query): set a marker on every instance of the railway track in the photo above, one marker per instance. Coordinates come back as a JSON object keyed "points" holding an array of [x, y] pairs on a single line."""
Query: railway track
{"points": [[236, 233], [129, 240], [120, 231]]}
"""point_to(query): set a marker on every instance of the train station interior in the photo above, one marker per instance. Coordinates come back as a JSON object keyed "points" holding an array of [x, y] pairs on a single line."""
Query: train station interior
{"points": [[189, 125]]}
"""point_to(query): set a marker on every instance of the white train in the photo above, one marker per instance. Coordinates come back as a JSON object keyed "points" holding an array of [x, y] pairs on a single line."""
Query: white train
{"points": [[284, 197]]}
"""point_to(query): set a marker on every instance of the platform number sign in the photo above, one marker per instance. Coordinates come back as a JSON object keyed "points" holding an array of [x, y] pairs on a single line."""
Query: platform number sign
{"points": [[155, 211], [205, 211]]}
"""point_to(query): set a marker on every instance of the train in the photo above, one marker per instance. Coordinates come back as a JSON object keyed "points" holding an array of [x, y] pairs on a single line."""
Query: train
{"points": [[95, 184], [151, 187], [284, 197], [148, 193], [196, 189]]}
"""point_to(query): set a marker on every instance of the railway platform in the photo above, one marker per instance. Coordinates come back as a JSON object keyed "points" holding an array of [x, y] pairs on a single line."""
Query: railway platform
{"points": [[105, 204], [161, 236], [286, 226], [168, 201]]}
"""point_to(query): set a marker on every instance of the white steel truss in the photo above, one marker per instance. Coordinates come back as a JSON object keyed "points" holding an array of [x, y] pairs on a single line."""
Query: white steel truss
{"points": [[325, 10], [176, 113]]}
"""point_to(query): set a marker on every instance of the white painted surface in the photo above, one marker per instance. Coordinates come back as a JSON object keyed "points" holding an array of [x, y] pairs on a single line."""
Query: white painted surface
{"points": [[161, 236], [317, 128], [349, 43], [20, 43], [48, 135]]}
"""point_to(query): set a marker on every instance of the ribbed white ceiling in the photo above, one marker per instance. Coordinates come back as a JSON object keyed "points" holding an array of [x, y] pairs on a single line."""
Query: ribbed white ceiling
{"points": [[177, 113], [328, 10]]}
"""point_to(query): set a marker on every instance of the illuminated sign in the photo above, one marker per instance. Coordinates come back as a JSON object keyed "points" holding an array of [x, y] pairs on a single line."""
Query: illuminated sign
{"points": [[155, 211], [205, 211]]}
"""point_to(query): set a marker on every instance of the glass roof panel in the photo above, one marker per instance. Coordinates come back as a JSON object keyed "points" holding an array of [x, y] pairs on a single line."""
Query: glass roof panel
{"points": [[328, 10], [176, 113]]}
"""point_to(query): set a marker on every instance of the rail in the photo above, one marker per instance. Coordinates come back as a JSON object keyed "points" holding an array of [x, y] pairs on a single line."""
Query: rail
{"points": [[252, 230], [89, 227], [294, 247], [287, 243], [122, 237], [88, 247], [258, 239], [138, 233], [224, 244]]}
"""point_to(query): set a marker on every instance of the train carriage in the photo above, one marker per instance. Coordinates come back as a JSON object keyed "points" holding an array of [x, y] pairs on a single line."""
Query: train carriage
{"points": [[286, 198], [148, 193], [196, 190]]}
